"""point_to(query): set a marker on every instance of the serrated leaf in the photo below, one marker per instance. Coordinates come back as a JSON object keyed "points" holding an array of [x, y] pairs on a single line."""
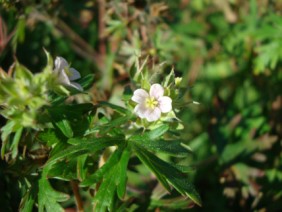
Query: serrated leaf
{"points": [[49, 136], [151, 135], [85, 146], [113, 180], [104, 197], [104, 128], [27, 201], [147, 161], [48, 198], [174, 148], [98, 175], [167, 173], [65, 127], [63, 115], [121, 187], [63, 170]]}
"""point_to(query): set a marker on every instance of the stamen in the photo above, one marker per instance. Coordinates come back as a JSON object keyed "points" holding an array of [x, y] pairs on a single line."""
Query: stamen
{"points": [[151, 102]]}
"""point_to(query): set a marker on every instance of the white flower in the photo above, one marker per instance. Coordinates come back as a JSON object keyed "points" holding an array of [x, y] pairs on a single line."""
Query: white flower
{"points": [[151, 105], [65, 74]]}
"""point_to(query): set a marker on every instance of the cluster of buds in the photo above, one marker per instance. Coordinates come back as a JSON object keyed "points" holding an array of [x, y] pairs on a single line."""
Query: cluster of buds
{"points": [[23, 94]]}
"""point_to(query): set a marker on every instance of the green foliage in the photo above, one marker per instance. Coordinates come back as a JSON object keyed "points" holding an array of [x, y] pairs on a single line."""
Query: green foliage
{"points": [[114, 180], [166, 173], [48, 198], [63, 148]]}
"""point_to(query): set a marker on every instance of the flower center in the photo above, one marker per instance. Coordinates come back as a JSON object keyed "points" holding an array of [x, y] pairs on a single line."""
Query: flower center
{"points": [[151, 102]]}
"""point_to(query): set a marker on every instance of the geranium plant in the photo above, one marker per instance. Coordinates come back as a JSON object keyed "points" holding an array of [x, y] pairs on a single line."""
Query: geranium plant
{"points": [[55, 138]]}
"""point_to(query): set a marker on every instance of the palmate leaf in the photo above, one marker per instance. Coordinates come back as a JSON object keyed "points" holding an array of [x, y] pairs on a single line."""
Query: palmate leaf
{"points": [[40, 191], [83, 147], [48, 198], [114, 180], [167, 173]]}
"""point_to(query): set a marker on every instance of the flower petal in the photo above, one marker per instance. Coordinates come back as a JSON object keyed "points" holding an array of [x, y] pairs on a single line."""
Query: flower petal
{"points": [[76, 86], [60, 63], [153, 115], [74, 74], [140, 110], [156, 91], [139, 96], [63, 77], [165, 104]]}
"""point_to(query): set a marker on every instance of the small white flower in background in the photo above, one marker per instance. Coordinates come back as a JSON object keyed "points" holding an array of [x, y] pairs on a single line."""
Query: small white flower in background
{"points": [[65, 74], [151, 105]]}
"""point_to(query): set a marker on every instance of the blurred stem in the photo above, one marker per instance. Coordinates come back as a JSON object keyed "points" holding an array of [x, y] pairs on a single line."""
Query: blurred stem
{"points": [[79, 45], [101, 27], [75, 37], [206, 162], [78, 200]]}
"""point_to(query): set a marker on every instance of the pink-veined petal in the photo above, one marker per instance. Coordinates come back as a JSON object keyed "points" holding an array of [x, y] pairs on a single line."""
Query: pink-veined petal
{"points": [[165, 104], [153, 115], [156, 91], [139, 96], [74, 74], [140, 110], [60, 63]]}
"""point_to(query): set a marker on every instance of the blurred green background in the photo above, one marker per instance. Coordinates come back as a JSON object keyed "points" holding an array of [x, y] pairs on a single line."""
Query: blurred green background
{"points": [[228, 51]]}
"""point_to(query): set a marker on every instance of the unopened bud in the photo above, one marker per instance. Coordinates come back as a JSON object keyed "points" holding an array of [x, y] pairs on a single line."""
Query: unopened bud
{"points": [[177, 81]]}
